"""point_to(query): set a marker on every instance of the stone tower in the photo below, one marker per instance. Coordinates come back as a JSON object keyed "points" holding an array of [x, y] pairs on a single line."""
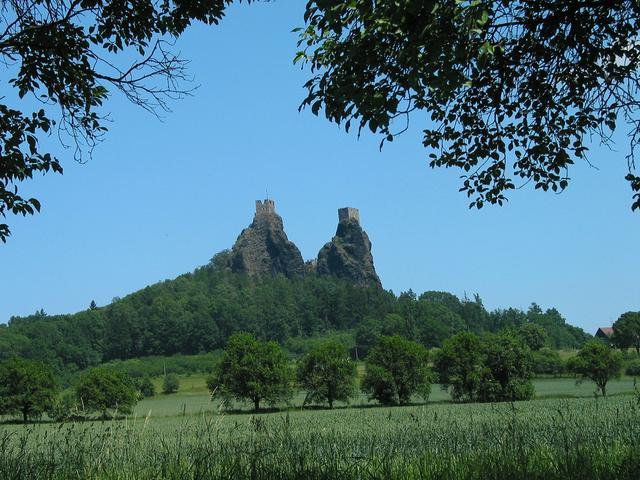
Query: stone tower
{"points": [[348, 254], [263, 247]]}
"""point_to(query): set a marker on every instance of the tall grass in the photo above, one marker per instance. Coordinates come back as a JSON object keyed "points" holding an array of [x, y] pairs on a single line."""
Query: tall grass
{"points": [[550, 439]]}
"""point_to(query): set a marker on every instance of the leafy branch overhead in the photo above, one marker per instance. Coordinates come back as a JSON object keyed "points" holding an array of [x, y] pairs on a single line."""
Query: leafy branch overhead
{"points": [[69, 55], [512, 91]]}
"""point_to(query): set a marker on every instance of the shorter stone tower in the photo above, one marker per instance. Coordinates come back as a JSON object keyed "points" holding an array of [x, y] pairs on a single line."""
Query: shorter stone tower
{"points": [[347, 213]]}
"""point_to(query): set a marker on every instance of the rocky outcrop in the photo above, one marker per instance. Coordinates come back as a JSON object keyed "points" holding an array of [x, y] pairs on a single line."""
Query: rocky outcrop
{"points": [[263, 247], [348, 254]]}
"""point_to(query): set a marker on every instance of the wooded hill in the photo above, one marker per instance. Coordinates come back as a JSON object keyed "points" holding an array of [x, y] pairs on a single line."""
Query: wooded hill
{"points": [[198, 311]]}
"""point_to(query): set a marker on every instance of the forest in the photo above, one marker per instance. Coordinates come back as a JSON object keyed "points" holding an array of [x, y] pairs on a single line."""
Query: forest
{"points": [[196, 313]]}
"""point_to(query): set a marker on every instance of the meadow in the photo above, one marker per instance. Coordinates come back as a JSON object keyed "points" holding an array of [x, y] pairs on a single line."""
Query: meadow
{"points": [[187, 436]]}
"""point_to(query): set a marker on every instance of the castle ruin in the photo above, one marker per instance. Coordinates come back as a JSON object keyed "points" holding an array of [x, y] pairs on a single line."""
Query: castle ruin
{"points": [[265, 207], [347, 213]]}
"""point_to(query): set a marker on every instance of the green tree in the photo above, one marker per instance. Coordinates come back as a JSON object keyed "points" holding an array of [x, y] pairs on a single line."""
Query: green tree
{"points": [[507, 370], [510, 92], [101, 390], [395, 369], [493, 368], [627, 331], [71, 56], [147, 389], [597, 362], [252, 370], [534, 336], [171, 383], [26, 387], [327, 374], [547, 361], [366, 337], [459, 364]]}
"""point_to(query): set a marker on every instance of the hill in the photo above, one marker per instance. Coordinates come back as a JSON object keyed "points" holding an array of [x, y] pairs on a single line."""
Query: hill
{"points": [[263, 286], [198, 311]]}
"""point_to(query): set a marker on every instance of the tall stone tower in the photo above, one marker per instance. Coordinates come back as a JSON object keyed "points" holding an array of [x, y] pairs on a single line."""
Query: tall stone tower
{"points": [[348, 254], [263, 248]]}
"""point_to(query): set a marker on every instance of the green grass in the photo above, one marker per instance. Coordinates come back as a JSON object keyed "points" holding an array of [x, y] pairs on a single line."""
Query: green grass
{"points": [[193, 397], [186, 435], [544, 439]]}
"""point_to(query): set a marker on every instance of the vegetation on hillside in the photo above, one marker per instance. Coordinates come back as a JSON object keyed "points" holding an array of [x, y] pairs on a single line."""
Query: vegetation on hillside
{"points": [[197, 312]]}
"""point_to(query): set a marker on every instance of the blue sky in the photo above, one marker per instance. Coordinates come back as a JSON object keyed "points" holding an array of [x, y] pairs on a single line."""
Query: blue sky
{"points": [[160, 198]]}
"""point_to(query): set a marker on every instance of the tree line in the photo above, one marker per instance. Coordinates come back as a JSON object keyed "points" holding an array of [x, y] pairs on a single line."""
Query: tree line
{"points": [[473, 368], [199, 311]]}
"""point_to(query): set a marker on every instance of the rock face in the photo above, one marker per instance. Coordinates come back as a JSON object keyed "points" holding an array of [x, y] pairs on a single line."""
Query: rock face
{"points": [[348, 254], [263, 247]]}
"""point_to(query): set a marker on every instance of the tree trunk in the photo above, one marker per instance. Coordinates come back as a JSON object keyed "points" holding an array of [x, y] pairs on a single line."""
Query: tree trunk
{"points": [[256, 404], [330, 402], [604, 390], [25, 415]]}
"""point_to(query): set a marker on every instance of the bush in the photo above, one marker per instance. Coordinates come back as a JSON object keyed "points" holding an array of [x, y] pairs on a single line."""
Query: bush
{"points": [[547, 362], [102, 390], [633, 368], [146, 387], [171, 383]]}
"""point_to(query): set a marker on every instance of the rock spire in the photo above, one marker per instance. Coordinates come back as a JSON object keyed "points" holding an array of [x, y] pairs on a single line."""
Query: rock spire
{"points": [[348, 254], [263, 247]]}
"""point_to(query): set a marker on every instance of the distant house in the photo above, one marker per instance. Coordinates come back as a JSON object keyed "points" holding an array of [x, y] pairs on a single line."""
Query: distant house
{"points": [[604, 333]]}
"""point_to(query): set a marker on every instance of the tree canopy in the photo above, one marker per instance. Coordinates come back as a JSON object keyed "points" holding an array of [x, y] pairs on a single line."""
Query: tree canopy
{"points": [[26, 387], [510, 92], [489, 369], [597, 362], [626, 331], [252, 370], [396, 368], [71, 56], [103, 390], [199, 311], [327, 374]]}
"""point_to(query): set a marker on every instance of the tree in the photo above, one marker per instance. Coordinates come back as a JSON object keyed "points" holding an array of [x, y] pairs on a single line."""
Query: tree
{"points": [[70, 56], [597, 362], [26, 387], [252, 370], [513, 90], [626, 331], [146, 387], [92, 305], [327, 373], [534, 336], [101, 390], [395, 369], [489, 369], [459, 365], [507, 370], [171, 383]]}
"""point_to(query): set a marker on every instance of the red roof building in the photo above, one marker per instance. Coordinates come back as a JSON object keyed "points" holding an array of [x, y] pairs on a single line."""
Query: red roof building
{"points": [[604, 333]]}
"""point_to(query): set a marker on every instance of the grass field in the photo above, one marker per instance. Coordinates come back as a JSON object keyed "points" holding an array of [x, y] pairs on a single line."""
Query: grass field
{"points": [[194, 398], [187, 436], [545, 439]]}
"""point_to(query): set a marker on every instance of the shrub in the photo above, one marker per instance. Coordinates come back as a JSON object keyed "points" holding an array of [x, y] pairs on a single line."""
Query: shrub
{"points": [[633, 368], [147, 389], [171, 383]]}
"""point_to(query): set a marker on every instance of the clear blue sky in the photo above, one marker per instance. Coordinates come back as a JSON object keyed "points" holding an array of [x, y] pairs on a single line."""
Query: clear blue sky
{"points": [[160, 198]]}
